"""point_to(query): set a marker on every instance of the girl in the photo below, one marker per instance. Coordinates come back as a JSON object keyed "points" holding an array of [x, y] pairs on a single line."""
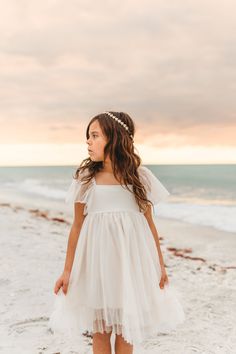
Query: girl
{"points": [[114, 278]]}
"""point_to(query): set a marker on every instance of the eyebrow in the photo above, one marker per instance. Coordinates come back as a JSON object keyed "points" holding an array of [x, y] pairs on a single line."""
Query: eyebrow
{"points": [[94, 131]]}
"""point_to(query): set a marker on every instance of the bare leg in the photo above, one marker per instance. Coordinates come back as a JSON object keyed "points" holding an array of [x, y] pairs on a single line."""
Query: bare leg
{"points": [[102, 343], [121, 346]]}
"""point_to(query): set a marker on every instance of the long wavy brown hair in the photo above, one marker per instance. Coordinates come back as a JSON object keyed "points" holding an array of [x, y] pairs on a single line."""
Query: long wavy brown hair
{"points": [[120, 149]]}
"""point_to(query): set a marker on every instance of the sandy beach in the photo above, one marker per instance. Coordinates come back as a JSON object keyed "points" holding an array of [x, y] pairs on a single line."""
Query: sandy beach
{"points": [[200, 263]]}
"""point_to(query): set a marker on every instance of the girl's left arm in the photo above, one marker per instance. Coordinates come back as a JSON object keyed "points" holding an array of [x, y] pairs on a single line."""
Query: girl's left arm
{"points": [[148, 215]]}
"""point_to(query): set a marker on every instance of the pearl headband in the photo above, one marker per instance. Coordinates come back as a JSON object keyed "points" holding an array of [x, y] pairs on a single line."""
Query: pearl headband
{"points": [[120, 122]]}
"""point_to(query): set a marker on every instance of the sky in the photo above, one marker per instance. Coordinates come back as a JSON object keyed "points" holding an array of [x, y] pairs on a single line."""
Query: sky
{"points": [[170, 65]]}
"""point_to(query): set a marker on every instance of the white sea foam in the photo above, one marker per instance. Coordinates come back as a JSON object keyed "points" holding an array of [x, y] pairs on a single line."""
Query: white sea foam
{"points": [[32, 186], [219, 216]]}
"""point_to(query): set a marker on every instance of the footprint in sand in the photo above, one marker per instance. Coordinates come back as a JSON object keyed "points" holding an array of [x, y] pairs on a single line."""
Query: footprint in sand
{"points": [[28, 324]]}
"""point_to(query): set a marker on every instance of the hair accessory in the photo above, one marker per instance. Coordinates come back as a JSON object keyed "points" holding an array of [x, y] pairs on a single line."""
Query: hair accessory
{"points": [[119, 121]]}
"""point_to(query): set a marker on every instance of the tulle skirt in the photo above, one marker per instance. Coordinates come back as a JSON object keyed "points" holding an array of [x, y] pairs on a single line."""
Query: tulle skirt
{"points": [[114, 282]]}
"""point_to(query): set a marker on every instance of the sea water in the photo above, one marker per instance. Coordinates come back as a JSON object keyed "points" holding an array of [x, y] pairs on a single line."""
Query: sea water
{"points": [[199, 194]]}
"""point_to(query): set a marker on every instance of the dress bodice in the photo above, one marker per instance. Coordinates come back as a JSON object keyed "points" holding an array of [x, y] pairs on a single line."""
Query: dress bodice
{"points": [[107, 198], [114, 197]]}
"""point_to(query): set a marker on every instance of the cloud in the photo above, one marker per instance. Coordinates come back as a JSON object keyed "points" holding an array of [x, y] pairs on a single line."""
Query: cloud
{"points": [[169, 64]]}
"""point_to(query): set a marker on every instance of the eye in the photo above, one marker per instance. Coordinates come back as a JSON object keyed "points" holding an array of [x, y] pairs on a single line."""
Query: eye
{"points": [[93, 135]]}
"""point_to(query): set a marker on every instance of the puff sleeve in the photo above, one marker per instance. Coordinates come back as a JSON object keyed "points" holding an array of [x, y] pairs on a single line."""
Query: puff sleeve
{"points": [[79, 192], [156, 192]]}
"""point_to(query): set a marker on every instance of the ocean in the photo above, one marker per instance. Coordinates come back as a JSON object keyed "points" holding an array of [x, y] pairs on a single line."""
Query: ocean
{"points": [[199, 194]]}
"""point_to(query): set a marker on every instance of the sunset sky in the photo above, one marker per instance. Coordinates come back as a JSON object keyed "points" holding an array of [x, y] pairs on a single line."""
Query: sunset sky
{"points": [[171, 65]]}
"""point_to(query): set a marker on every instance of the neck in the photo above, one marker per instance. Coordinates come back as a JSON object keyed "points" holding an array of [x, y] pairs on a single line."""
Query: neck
{"points": [[107, 166]]}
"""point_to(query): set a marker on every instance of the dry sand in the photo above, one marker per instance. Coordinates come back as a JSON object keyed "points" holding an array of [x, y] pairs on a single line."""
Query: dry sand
{"points": [[200, 263]]}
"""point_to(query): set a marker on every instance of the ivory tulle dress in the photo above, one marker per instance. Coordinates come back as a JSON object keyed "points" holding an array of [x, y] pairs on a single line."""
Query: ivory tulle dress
{"points": [[114, 281]]}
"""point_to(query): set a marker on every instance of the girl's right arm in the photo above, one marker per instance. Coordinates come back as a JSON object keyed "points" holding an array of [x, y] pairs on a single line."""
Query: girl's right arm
{"points": [[79, 217]]}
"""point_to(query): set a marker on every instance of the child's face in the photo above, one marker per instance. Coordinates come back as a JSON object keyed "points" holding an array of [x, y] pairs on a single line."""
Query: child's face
{"points": [[96, 142]]}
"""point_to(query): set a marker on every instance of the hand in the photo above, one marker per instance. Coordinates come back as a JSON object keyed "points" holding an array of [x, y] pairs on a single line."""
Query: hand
{"points": [[164, 277], [62, 281]]}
